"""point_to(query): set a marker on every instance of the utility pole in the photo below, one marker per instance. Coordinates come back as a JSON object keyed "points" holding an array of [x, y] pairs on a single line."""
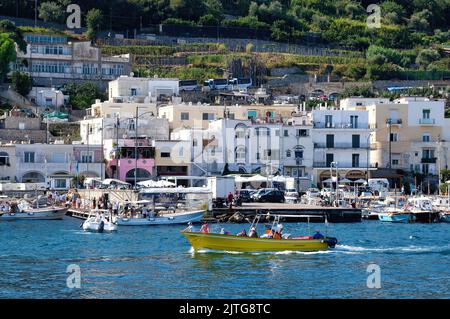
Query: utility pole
{"points": [[136, 147], [439, 163], [117, 146], [389, 124]]}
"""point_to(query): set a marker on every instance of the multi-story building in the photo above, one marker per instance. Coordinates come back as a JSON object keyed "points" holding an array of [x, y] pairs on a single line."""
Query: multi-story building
{"points": [[56, 59], [242, 146], [341, 137], [53, 164], [172, 157], [409, 133], [191, 115]]}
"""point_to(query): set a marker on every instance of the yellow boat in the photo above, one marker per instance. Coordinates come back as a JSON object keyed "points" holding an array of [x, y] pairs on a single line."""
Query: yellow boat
{"points": [[252, 244]]}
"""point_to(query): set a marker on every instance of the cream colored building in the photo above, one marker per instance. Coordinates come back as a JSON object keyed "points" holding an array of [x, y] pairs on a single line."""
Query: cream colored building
{"points": [[189, 115], [127, 89], [407, 133]]}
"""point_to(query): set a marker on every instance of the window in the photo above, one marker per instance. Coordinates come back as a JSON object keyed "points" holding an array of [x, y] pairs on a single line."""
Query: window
{"points": [[184, 116], [330, 140], [87, 157], [60, 183], [354, 121], [131, 125], [286, 133], [288, 153], [298, 153], [394, 137], [302, 133], [165, 154], [426, 137], [277, 132], [4, 159], [355, 160], [208, 116], [328, 120], [395, 162], [194, 142], [240, 153], [133, 92], [29, 157], [425, 114], [240, 133], [428, 154], [355, 141], [330, 158]]}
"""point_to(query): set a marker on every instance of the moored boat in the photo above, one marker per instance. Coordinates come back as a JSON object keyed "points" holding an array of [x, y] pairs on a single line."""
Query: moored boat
{"points": [[444, 217], [23, 211], [395, 216], [161, 219]]}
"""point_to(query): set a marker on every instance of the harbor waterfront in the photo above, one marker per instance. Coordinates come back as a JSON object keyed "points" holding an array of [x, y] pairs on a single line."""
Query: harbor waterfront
{"points": [[158, 262]]}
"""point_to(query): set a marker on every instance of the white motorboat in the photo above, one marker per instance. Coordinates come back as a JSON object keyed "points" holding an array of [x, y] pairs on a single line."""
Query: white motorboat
{"points": [[24, 211], [99, 220], [160, 219]]}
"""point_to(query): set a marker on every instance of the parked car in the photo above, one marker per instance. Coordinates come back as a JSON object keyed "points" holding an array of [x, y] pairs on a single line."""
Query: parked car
{"points": [[326, 192], [245, 195], [270, 196], [259, 192], [313, 192]]}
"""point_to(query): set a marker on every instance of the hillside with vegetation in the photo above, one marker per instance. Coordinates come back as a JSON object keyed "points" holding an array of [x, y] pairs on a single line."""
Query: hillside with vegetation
{"points": [[409, 44]]}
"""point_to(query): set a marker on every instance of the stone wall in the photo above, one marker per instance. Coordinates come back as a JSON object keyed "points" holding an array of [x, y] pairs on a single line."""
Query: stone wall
{"points": [[37, 136]]}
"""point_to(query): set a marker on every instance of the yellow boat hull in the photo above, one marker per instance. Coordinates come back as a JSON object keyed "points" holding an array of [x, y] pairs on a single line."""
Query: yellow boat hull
{"points": [[246, 244]]}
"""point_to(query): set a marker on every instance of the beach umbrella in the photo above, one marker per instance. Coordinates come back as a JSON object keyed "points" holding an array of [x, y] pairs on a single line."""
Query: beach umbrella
{"points": [[345, 181], [360, 181], [328, 181]]}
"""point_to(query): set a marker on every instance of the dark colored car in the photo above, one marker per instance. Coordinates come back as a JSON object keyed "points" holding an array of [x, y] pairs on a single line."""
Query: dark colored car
{"points": [[271, 196], [245, 195]]}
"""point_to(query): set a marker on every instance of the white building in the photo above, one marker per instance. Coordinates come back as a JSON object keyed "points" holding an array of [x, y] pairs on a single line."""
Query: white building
{"points": [[340, 136], [143, 90], [47, 97]]}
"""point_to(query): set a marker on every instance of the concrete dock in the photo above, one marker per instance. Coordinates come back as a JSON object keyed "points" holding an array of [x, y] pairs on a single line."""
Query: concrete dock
{"points": [[301, 211]]}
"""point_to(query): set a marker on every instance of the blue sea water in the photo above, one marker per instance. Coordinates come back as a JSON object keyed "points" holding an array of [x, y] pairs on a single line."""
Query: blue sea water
{"points": [[158, 262]]}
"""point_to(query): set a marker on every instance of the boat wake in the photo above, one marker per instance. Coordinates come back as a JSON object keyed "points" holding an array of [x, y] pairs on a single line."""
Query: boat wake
{"points": [[399, 249]]}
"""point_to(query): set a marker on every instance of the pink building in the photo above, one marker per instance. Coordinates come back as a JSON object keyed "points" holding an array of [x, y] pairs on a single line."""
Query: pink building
{"points": [[123, 167]]}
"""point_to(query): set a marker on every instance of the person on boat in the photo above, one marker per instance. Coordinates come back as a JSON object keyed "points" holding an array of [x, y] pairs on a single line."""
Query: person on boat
{"points": [[224, 232], [204, 228], [278, 233], [242, 234], [190, 228], [253, 232], [318, 235]]}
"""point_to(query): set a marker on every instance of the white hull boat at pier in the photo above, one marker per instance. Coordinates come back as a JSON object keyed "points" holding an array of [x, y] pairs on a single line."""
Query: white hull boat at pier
{"points": [[43, 213], [165, 219]]}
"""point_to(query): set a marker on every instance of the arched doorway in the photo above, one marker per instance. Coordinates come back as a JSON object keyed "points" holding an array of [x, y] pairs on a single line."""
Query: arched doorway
{"points": [[142, 175], [33, 177]]}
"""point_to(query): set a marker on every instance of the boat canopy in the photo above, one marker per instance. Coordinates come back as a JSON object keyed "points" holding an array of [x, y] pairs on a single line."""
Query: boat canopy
{"points": [[176, 190], [160, 183], [110, 181]]}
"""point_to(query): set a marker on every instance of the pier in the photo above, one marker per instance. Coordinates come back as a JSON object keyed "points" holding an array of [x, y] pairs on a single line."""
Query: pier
{"points": [[303, 213]]}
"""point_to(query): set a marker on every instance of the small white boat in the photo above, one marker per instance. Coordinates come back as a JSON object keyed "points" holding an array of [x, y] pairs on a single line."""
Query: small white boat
{"points": [[163, 219], [444, 217], [24, 211], [99, 220]]}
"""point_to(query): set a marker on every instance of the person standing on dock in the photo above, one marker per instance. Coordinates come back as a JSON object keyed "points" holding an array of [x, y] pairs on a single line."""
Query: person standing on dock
{"points": [[230, 199]]}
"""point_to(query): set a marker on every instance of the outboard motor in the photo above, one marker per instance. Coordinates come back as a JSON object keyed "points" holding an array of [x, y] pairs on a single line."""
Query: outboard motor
{"points": [[331, 241], [101, 226]]}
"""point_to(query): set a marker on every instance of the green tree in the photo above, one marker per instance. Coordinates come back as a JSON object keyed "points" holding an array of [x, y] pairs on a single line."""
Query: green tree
{"points": [[426, 57], [208, 19], [7, 54], [82, 96], [94, 21], [21, 83], [419, 21], [188, 9], [14, 33], [53, 11]]}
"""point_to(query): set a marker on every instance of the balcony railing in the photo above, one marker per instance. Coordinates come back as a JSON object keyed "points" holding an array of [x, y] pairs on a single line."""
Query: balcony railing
{"points": [[427, 121], [394, 121], [360, 165], [340, 145], [428, 160], [341, 125]]}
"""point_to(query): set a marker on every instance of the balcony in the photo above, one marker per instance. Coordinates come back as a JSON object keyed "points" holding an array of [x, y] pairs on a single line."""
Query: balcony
{"points": [[427, 121], [392, 121], [428, 160], [341, 125], [343, 165], [341, 145]]}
